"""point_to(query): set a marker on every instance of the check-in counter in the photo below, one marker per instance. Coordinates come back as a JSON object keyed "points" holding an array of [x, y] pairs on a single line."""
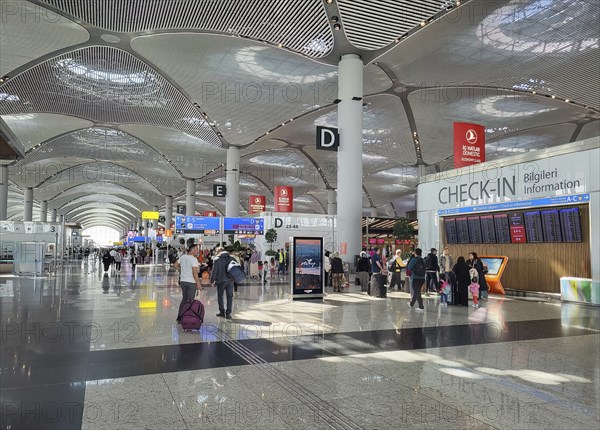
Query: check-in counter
{"points": [[580, 290]]}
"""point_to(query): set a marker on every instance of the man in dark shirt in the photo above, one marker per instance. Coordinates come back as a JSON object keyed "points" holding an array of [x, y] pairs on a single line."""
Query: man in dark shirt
{"points": [[432, 266]]}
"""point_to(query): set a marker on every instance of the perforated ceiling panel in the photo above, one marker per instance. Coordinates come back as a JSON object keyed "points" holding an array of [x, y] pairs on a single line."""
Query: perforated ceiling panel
{"points": [[246, 88], [529, 140], [193, 157], [100, 200], [537, 45], [97, 190], [29, 31], [102, 144], [104, 84], [500, 112], [374, 25], [300, 25], [97, 173], [590, 130], [34, 128]]}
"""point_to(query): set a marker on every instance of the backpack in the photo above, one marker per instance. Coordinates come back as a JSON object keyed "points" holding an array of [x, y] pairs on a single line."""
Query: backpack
{"points": [[428, 263], [236, 272], [391, 266], [419, 267], [192, 315]]}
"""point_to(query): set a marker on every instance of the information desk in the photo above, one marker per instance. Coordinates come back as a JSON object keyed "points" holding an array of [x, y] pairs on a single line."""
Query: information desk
{"points": [[495, 268], [580, 290]]}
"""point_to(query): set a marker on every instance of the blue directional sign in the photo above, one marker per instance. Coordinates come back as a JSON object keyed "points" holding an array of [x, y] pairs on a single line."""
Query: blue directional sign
{"points": [[243, 225], [197, 225], [141, 239], [520, 204]]}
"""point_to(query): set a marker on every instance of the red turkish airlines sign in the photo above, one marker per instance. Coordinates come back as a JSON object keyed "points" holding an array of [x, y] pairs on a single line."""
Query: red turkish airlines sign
{"points": [[469, 144], [257, 204], [284, 199], [210, 213]]}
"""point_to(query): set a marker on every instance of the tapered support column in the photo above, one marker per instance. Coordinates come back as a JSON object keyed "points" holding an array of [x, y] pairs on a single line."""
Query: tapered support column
{"points": [[44, 211], [53, 215], [168, 212], [190, 197], [28, 205], [232, 198], [331, 205], [349, 184]]}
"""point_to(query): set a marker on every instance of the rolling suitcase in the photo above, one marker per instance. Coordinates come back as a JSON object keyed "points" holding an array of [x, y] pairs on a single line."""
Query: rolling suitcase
{"points": [[192, 315], [378, 288]]}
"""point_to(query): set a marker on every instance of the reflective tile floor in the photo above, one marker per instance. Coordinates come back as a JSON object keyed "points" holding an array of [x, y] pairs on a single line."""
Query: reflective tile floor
{"points": [[84, 350]]}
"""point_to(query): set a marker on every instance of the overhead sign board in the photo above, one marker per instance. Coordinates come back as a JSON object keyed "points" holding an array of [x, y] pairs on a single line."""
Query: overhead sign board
{"points": [[150, 215], [243, 226], [328, 138], [219, 190], [197, 225], [181, 209]]}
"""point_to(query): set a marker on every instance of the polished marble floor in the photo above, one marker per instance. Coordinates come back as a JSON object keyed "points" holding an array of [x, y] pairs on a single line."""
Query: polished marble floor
{"points": [[84, 350]]}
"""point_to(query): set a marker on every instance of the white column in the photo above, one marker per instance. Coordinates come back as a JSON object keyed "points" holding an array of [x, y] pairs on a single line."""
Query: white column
{"points": [[3, 192], [232, 198], [190, 197], [373, 212], [62, 219], [44, 211], [331, 202], [28, 204], [349, 183], [140, 223], [53, 215], [168, 211]]}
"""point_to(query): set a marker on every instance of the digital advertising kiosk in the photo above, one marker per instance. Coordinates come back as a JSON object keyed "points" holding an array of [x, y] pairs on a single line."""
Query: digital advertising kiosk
{"points": [[307, 274]]}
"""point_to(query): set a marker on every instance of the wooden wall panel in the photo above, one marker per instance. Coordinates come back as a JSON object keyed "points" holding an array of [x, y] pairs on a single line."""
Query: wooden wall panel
{"points": [[537, 266]]}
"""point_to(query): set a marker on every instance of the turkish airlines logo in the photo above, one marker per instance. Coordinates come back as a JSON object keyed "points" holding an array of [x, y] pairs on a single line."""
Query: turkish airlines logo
{"points": [[283, 192], [471, 136], [258, 200]]}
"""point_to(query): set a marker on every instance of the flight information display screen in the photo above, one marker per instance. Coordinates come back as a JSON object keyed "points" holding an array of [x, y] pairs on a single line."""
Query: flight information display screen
{"points": [[488, 232], [533, 227], [551, 225], [570, 225], [450, 225], [462, 230], [474, 229]]}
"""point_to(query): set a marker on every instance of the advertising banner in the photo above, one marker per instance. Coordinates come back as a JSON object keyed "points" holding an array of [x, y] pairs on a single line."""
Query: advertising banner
{"points": [[284, 199], [307, 270], [469, 144], [257, 204]]}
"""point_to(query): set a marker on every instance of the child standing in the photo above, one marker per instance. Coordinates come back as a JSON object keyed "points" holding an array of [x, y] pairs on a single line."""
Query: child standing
{"points": [[444, 290], [474, 288], [272, 268]]}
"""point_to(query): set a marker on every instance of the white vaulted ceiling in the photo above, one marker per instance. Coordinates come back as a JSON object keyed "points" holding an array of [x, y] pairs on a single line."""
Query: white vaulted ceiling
{"points": [[117, 102]]}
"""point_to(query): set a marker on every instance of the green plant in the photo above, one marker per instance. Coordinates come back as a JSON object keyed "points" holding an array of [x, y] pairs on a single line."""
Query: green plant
{"points": [[403, 229], [271, 253], [271, 236]]}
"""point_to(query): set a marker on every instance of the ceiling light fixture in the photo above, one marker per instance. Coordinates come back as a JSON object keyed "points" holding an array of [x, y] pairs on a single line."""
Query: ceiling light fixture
{"points": [[423, 23], [337, 27], [553, 96]]}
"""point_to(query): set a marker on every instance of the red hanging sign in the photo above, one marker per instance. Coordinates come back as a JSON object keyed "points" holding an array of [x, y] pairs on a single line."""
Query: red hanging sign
{"points": [[284, 199], [469, 144], [257, 204], [210, 213]]}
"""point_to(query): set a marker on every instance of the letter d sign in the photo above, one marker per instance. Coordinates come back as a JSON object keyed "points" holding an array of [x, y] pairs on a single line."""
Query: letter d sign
{"points": [[328, 138]]}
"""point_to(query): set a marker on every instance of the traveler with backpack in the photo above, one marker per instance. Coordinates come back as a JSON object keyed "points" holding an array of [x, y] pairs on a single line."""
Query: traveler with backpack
{"points": [[189, 281], [221, 279], [417, 278], [432, 269], [395, 268]]}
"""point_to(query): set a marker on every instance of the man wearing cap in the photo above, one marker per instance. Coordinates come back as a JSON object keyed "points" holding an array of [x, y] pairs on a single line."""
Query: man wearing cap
{"points": [[432, 268]]}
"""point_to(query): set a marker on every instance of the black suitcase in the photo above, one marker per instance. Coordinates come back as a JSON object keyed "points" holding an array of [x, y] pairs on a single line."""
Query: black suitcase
{"points": [[378, 285]]}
